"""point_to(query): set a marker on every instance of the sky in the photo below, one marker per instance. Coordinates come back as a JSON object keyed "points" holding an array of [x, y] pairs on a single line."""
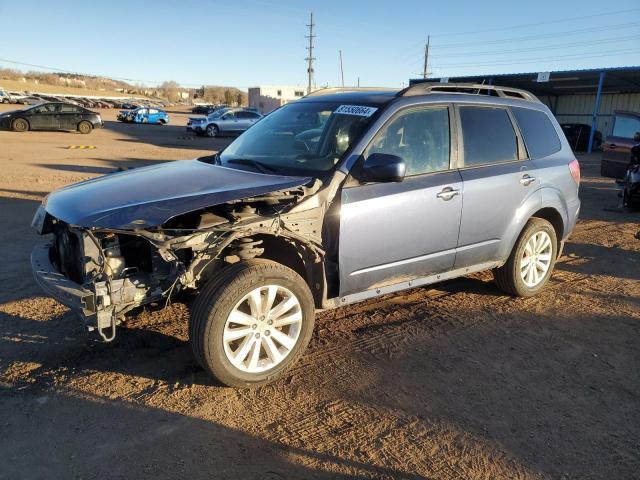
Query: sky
{"points": [[246, 43]]}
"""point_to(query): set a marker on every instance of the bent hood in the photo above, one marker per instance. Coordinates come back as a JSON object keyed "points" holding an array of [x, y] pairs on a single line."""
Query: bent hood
{"points": [[150, 196]]}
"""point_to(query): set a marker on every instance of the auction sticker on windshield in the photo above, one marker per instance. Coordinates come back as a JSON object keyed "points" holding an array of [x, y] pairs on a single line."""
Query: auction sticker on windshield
{"points": [[360, 110]]}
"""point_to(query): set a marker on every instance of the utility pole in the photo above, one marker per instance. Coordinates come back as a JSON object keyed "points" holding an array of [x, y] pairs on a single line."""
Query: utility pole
{"points": [[426, 58], [341, 70], [310, 58]]}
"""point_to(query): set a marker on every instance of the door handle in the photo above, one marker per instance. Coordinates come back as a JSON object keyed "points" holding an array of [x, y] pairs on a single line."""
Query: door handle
{"points": [[613, 145], [527, 179], [447, 193]]}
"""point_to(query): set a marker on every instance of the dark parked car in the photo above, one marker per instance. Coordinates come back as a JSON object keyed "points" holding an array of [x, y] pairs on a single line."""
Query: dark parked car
{"points": [[202, 109], [51, 116], [578, 136], [617, 146], [403, 189]]}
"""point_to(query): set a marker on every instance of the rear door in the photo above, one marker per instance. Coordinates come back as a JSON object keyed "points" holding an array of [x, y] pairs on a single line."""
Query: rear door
{"points": [[229, 122], [616, 149], [497, 179], [154, 115], [70, 116], [394, 232]]}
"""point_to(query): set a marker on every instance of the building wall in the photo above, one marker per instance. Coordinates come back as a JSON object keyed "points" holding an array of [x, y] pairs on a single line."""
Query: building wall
{"points": [[267, 98], [579, 108]]}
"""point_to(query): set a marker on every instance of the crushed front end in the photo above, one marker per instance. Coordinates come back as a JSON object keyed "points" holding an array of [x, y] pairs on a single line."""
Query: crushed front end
{"points": [[103, 273]]}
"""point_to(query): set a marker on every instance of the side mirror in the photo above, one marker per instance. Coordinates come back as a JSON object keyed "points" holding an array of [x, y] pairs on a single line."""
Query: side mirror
{"points": [[382, 167], [636, 137]]}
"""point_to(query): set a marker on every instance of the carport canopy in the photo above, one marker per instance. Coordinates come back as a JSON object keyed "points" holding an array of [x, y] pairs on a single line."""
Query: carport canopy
{"points": [[565, 82]]}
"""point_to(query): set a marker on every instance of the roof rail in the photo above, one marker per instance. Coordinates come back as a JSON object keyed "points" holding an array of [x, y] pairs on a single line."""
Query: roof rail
{"points": [[426, 88], [330, 90]]}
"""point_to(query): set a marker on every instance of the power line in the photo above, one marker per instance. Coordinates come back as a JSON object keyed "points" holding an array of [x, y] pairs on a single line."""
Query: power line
{"points": [[310, 58], [541, 59], [538, 48], [544, 35], [537, 24]]}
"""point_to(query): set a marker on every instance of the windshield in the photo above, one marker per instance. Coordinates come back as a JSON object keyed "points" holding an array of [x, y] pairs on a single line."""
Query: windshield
{"points": [[300, 137]]}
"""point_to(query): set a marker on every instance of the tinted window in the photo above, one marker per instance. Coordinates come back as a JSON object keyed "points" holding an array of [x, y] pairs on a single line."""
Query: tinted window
{"points": [[537, 130], [488, 136], [49, 108], [626, 127], [419, 137], [69, 109], [242, 115]]}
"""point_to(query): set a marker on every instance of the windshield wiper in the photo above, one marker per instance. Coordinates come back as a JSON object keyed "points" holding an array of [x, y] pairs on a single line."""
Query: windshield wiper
{"points": [[261, 167]]}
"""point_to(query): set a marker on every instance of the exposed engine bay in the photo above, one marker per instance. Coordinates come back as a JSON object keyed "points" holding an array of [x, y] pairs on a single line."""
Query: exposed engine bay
{"points": [[126, 268]]}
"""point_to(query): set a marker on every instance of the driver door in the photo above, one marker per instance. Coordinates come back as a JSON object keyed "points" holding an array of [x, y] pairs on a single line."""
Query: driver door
{"points": [[394, 232]]}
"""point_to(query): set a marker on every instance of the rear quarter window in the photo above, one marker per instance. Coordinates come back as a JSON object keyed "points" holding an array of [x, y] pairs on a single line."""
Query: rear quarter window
{"points": [[540, 137]]}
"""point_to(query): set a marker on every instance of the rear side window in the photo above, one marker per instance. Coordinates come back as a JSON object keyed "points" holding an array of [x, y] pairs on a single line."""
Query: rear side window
{"points": [[488, 136], [69, 109], [537, 130]]}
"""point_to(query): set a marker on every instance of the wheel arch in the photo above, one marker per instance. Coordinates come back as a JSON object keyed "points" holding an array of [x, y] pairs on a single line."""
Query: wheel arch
{"points": [[291, 253], [547, 204], [21, 118], [554, 217]]}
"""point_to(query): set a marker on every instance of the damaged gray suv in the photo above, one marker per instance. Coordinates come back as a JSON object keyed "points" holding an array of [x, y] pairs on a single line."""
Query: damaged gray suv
{"points": [[341, 196]]}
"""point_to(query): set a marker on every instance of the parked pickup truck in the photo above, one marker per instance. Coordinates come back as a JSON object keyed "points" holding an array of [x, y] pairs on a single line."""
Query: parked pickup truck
{"points": [[392, 190]]}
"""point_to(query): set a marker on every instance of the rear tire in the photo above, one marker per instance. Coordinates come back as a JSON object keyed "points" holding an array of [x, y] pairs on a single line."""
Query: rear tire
{"points": [[19, 125], [251, 323], [85, 127], [531, 262]]}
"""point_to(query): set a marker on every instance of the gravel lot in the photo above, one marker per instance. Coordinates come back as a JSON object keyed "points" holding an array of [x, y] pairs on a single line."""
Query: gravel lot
{"points": [[456, 381]]}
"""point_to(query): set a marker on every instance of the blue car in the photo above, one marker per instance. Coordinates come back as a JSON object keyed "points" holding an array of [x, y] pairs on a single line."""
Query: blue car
{"points": [[144, 115]]}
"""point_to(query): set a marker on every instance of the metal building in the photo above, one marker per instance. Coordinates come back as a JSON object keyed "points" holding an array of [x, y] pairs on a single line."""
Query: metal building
{"points": [[574, 96]]}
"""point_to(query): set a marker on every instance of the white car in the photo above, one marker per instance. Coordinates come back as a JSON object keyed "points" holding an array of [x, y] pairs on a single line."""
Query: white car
{"points": [[223, 121]]}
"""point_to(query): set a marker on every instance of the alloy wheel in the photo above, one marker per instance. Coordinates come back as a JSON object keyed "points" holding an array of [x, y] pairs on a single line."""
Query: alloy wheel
{"points": [[262, 329], [536, 259]]}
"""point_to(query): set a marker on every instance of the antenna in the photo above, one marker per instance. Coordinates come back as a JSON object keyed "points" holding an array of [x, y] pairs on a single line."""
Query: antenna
{"points": [[341, 69], [310, 58]]}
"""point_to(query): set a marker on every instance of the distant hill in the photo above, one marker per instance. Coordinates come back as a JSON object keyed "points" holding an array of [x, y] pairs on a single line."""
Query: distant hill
{"points": [[76, 84]]}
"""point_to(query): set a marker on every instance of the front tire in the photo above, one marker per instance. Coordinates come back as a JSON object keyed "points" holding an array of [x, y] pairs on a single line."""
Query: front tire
{"points": [[251, 323], [531, 262], [212, 131], [85, 127], [19, 125]]}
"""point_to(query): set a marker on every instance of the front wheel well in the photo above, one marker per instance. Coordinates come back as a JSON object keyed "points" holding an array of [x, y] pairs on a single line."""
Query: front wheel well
{"points": [[552, 216], [291, 254]]}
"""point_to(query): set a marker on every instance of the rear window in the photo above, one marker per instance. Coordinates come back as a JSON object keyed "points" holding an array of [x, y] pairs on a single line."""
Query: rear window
{"points": [[537, 131], [488, 136]]}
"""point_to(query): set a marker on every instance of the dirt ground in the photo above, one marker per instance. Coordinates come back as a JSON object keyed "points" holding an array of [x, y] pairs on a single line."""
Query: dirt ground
{"points": [[456, 381]]}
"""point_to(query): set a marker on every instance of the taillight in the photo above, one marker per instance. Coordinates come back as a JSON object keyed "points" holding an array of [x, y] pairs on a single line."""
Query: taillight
{"points": [[574, 168]]}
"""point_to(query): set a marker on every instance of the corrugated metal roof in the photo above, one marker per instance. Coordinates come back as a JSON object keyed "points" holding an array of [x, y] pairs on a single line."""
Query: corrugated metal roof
{"points": [[561, 82]]}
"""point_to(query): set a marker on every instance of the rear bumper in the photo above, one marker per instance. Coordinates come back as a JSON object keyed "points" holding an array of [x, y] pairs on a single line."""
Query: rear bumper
{"points": [[56, 285], [573, 211]]}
